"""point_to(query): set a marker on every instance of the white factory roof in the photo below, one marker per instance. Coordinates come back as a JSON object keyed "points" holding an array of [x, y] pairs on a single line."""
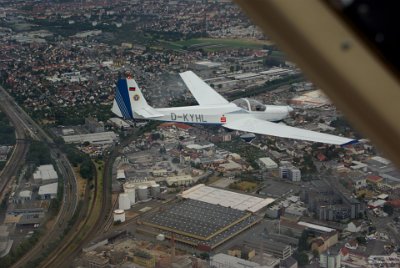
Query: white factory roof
{"points": [[48, 189], [25, 194], [200, 146], [224, 261], [381, 160], [226, 198], [119, 122], [316, 227], [382, 196], [231, 165], [268, 162], [93, 138], [208, 63], [45, 172], [275, 71]]}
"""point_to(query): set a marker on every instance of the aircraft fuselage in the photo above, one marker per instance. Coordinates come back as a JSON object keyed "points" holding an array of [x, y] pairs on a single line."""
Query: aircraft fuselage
{"points": [[218, 115]]}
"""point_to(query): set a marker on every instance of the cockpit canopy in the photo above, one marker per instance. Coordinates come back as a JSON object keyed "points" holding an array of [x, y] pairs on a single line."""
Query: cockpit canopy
{"points": [[250, 105]]}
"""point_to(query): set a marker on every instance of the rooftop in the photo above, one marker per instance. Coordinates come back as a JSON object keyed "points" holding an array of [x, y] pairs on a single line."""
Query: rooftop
{"points": [[226, 198], [196, 219], [48, 189]]}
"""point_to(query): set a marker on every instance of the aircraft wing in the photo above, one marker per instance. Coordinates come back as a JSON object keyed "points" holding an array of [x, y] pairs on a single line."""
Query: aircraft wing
{"points": [[203, 93], [258, 126]]}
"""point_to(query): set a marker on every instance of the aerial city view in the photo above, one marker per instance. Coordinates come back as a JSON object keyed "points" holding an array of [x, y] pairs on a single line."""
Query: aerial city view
{"points": [[176, 133]]}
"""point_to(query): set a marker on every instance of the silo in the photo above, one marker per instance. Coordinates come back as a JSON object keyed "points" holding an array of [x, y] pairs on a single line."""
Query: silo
{"points": [[124, 202], [155, 190], [130, 189], [121, 174], [119, 215], [143, 193]]}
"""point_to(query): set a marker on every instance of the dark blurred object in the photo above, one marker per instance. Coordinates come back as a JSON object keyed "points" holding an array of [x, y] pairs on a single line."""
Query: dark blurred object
{"points": [[376, 20], [329, 44]]}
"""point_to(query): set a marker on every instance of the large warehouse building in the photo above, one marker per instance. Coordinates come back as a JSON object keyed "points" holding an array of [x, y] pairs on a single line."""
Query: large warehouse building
{"points": [[206, 217], [226, 198]]}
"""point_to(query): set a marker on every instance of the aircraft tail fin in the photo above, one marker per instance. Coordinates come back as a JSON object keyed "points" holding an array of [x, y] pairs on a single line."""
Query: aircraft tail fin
{"points": [[128, 99]]}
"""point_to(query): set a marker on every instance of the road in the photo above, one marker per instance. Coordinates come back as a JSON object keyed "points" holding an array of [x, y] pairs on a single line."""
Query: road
{"points": [[25, 124]]}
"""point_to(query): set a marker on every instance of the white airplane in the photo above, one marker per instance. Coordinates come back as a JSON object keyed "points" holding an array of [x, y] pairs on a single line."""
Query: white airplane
{"points": [[242, 114]]}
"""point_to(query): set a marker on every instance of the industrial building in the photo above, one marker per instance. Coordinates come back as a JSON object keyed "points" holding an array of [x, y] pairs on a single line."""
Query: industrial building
{"points": [[226, 198], [45, 174], [277, 249], [101, 138], [93, 125], [289, 172], [267, 163], [329, 202], [179, 180], [119, 123], [48, 191], [197, 223], [221, 260]]}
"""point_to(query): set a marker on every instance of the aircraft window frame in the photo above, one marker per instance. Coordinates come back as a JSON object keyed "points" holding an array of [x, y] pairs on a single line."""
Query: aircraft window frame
{"points": [[242, 103], [256, 106]]}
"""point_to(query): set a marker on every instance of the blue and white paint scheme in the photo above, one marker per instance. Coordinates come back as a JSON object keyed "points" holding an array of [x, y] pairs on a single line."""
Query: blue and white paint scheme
{"points": [[243, 114]]}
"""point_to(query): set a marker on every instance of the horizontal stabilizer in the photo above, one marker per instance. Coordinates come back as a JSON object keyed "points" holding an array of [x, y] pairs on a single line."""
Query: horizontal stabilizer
{"points": [[203, 93], [269, 128], [148, 112]]}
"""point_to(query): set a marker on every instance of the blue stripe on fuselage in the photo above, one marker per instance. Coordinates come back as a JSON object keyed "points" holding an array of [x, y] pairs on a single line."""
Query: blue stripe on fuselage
{"points": [[123, 90]]}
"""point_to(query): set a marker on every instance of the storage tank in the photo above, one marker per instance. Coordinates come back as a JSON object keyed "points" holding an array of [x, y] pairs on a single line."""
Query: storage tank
{"points": [[119, 215], [155, 190], [143, 193], [160, 237], [124, 202], [130, 189], [121, 174]]}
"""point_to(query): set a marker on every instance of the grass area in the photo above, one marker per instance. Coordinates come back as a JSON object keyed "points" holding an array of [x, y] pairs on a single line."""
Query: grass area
{"points": [[212, 179], [81, 183], [246, 186], [214, 44], [94, 207]]}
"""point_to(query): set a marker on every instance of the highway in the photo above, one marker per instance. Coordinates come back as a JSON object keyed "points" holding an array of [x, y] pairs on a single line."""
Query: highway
{"points": [[23, 123], [15, 162]]}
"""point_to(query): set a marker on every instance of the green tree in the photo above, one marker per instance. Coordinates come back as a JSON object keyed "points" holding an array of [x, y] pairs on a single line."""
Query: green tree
{"points": [[86, 169], [303, 241], [301, 258], [38, 153], [388, 208]]}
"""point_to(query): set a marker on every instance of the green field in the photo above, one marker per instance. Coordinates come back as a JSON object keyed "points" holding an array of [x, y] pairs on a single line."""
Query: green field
{"points": [[213, 44]]}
